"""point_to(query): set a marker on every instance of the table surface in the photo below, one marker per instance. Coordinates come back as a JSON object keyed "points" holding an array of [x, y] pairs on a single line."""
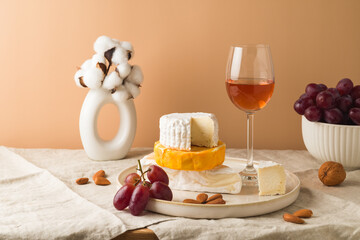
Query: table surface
{"points": [[139, 234], [344, 200]]}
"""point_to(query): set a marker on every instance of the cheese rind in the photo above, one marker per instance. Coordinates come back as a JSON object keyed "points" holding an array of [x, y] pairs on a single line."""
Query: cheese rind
{"points": [[198, 159], [181, 130], [221, 179], [271, 178]]}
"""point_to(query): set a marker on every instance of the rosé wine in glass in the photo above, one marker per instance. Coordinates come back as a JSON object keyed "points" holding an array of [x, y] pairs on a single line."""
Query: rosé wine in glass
{"points": [[250, 84]]}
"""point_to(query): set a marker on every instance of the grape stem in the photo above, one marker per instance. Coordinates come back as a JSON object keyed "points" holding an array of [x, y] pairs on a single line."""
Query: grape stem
{"points": [[141, 171], [137, 181]]}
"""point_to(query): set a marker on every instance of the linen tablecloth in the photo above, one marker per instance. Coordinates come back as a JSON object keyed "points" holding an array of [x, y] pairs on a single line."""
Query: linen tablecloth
{"points": [[39, 199]]}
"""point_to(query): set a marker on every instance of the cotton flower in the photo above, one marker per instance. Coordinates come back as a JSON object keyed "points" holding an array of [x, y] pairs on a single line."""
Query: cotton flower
{"points": [[93, 77], [132, 89], [124, 82], [87, 64], [127, 46], [119, 56], [98, 58], [117, 42], [120, 95], [103, 43], [136, 76], [77, 76], [112, 80], [124, 69]]}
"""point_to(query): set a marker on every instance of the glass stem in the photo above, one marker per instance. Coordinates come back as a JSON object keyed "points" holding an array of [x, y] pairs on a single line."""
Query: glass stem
{"points": [[249, 137]]}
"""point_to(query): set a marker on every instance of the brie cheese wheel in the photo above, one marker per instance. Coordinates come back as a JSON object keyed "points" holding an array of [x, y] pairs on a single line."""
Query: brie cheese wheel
{"points": [[181, 130], [221, 179], [271, 178]]}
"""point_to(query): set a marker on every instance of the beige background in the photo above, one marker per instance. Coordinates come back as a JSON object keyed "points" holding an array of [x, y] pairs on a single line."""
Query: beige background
{"points": [[182, 47]]}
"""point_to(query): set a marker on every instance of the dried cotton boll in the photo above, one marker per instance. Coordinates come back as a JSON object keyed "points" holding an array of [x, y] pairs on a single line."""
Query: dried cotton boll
{"points": [[77, 76], [124, 70], [93, 78], [103, 43], [119, 56], [136, 76], [112, 80], [120, 95], [98, 58], [127, 46], [117, 42], [133, 89], [87, 64]]}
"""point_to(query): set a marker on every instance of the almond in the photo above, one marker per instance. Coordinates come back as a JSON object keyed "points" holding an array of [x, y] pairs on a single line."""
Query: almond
{"points": [[191, 201], [293, 219], [100, 173], [202, 197], [216, 201], [82, 181], [303, 213], [101, 181], [213, 197]]}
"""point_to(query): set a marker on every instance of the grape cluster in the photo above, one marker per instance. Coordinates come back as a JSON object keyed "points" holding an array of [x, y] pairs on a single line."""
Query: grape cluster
{"points": [[340, 105], [136, 191]]}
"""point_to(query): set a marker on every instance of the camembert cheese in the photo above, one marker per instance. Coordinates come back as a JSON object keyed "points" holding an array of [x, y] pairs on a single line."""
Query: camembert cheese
{"points": [[181, 130], [221, 179], [271, 178], [197, 159]]}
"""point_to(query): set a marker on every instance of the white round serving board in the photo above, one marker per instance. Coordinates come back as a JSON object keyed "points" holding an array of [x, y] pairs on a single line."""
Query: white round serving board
{"points": [[244, 204]]}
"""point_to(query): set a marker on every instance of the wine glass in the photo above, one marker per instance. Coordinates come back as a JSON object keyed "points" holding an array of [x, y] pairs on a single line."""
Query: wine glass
{"points": [[250, 85]]}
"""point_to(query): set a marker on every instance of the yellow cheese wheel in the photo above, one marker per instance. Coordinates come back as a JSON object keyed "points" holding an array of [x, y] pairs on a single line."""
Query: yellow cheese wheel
{"points": [[198, 159]]}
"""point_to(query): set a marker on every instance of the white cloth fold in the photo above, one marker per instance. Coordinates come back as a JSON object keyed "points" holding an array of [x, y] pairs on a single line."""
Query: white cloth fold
{"points": [[68, 165], [36, 205]]}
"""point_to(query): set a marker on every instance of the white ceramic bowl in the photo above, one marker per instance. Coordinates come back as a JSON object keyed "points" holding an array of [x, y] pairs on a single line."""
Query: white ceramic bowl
{"points": [[333, 142]]}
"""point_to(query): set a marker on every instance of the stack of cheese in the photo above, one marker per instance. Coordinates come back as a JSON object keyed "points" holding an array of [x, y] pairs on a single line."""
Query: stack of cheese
{"points": [[190, 152], [189, 141]]}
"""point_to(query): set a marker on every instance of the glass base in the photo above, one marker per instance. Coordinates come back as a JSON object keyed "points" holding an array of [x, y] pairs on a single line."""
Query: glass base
{"points": [[249, 177]]}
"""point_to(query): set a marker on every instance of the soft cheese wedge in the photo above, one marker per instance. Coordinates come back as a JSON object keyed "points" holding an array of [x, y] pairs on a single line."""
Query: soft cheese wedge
{"points": [[198, 159], [221, 179], [271, 178], [181, 131]]}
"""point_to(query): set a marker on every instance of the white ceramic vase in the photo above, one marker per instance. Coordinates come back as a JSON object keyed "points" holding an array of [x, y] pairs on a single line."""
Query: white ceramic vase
{"points": [[94, 146]]}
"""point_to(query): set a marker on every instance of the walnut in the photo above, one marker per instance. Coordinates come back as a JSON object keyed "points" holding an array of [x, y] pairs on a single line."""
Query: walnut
{"points": [[332, 173]]}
